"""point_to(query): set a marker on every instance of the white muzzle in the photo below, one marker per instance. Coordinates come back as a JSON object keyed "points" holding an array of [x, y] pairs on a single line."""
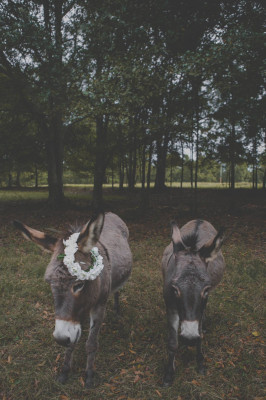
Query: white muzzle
{"points": [[190, 329], [66, 332]]}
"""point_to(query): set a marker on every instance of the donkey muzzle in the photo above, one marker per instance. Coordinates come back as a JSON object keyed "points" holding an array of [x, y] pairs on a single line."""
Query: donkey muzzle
{"points": [[66, 332], [190, 330]]}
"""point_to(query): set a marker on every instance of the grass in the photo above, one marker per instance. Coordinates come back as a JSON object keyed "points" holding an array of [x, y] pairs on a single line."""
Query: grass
{"points": [[132, 354]]}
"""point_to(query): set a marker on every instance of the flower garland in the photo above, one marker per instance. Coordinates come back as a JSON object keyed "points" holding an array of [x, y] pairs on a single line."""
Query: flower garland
{"points": [[74, 268]]}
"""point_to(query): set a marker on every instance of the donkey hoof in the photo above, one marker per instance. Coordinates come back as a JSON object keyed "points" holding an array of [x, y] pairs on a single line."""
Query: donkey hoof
{"points": [[168, 380], [202, 370], [62, 378], [89, 382]]}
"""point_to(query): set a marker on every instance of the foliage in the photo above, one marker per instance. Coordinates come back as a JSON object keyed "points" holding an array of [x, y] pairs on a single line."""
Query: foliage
{"points": [[106, 85]]}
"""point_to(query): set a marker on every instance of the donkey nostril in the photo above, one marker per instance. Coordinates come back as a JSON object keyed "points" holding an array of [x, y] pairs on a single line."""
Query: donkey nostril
{"points": [[63, 341]]}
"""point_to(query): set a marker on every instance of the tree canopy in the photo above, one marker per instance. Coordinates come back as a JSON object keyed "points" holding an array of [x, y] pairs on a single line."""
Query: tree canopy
{"points": [[104, 84]]}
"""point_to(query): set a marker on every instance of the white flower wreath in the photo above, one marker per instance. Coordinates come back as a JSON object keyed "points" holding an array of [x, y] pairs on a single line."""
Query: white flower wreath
{"points": [[74, 268]]}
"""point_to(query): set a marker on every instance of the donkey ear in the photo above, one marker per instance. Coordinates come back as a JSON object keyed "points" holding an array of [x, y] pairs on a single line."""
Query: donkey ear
{"points": [[44, 241], [210, 250], [176, 238], [91, 233]]}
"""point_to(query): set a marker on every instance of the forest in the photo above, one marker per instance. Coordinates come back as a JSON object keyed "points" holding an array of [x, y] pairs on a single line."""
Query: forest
{"points": [[131, 93]]}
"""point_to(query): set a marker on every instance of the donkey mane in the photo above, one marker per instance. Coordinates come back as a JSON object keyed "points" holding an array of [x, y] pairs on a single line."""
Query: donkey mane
{"points": [[75, 228], [190, 240]]}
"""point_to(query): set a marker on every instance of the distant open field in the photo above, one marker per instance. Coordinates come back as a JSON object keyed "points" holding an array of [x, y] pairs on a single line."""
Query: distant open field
{"points": [[132, 354]]}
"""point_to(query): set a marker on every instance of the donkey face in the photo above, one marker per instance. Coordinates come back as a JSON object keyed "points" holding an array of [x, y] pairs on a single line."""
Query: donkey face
{"points": [[191, 293], [70, 306], [70, 295]]}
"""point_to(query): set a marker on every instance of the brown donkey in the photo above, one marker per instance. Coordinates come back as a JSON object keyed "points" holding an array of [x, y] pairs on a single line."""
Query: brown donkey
{"points": [[82, 278]]}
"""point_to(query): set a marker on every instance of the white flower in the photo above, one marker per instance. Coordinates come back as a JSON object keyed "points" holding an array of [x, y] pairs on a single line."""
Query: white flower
{"points": [[74, 268], [95, 251]]}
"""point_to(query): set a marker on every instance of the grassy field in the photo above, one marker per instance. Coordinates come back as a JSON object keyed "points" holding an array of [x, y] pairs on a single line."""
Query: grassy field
{"points": [[132, 355]]}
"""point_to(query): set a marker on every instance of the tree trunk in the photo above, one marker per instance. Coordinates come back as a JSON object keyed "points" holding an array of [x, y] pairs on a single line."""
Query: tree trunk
{"points": [[55, 84], [149, 167], [171, 167], [18, 185], [36, 176], [112, 174], [100, 162], [132, 162], [162, 146], [121, 173], [255, 165], [54, 148], [182, 164], [197, 153], [192, 165], [132, 157], [232, 157], [9, 179], [143, 167]]}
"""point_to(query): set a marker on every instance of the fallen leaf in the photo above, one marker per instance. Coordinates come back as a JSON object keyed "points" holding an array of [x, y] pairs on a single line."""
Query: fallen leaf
{"points": [[123, 371], [194, 382], [41, 364], [255, 333], [138, 372], [9, 358], [111, 387], [157, 391]]}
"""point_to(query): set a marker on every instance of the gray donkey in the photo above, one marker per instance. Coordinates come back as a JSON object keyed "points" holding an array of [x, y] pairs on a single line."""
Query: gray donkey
{"points": [[76, 289], [192, 265]]}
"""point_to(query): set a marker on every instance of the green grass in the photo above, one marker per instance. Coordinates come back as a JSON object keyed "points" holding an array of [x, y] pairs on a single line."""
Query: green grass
{"points": [[132, 353], [14, 196]]}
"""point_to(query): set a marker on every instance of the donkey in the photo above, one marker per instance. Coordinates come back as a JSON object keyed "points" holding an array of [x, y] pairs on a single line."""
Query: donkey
{"points": [[75, 295], [192, 266]]}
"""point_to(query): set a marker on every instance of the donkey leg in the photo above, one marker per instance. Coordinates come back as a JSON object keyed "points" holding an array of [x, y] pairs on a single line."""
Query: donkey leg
{"points": [[200, 359], [116, 303], [203, 321], [96, 319], [173, 323], [63, 375]]}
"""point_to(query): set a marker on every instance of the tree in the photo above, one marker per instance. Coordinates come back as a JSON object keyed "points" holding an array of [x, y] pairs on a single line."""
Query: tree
{"points": [[37, 54]]}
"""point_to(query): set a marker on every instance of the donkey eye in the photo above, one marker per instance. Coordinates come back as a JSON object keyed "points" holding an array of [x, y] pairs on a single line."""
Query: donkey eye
{"points": [[77, 287], [205, 292]]}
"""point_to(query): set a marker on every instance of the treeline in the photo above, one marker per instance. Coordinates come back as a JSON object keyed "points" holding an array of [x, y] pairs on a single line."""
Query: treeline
{"points": [[213, 172], [131, 87]]}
